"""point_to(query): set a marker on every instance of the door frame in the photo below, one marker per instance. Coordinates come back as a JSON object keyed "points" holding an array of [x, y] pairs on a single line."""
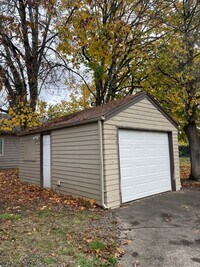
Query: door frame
{"points": [[41, 158], [171, 156]]}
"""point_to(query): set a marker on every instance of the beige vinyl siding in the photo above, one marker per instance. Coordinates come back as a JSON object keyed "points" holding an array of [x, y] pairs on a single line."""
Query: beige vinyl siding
{"points": [[10, 157], [29, 170], [142, 115], [75, 161], [176, 159]]}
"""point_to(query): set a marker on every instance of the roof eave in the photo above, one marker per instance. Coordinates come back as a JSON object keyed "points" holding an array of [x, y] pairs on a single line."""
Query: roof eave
{"points": [[106, 116], [8, 133], [58, 127]]}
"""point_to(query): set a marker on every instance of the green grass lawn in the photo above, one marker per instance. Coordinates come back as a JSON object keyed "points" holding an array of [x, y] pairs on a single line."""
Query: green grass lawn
{"points": [[52, 237], [42, 233], [184, 160]]}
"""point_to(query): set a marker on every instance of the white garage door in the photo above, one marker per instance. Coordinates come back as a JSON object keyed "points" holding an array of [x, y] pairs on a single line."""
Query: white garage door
{"points": [[144, 164]]}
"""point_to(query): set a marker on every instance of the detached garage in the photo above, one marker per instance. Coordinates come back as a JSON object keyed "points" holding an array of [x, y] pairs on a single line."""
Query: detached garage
{"points": [[114, 153]]}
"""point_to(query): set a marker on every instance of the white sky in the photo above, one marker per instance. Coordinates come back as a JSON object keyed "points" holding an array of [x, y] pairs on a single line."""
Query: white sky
{"points": [[54, 98], [50, 97]]}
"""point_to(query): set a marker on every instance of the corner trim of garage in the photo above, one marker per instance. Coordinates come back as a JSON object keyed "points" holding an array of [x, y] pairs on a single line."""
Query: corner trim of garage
{"points": [[171, 154], [119, 166], [102, 163]]}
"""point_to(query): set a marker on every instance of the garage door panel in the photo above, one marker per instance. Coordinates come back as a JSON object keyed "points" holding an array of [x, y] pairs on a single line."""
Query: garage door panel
{"points": [[152, 170], [163, 151], [163, 168], [126, 154], [127, 164], [144, 163], [125, 137], [127, 173], [139, 153], [139, 170], [152, 153], [138, 163], [152, 160], [140, 189]]}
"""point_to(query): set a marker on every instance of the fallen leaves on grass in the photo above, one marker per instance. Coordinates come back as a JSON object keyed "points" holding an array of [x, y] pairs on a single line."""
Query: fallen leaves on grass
{"points": [[184, 174], [14, 191], [41, 227], [192, 185]]}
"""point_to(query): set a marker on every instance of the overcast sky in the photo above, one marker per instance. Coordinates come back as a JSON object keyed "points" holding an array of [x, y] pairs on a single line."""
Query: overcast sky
{"points": [[55, 97], [50, 97]]}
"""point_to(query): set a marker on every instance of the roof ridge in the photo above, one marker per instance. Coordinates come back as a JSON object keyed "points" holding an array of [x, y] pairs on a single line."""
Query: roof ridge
{"points": [[73, 114]]}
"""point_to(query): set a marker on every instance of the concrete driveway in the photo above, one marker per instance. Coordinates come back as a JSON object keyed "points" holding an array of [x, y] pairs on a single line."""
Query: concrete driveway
{"points": [[163, 230]]}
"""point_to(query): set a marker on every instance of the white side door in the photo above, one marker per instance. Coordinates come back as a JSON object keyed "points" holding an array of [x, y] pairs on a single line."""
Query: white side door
{"points": [[144, 164], [47, 161]]}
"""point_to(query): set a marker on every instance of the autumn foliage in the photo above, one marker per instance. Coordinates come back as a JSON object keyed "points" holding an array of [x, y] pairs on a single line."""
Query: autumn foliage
{"points": [[22, 115]]}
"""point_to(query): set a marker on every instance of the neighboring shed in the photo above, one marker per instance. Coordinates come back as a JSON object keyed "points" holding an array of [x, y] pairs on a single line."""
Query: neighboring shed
{"points": [[114, 153], [9, 150]]}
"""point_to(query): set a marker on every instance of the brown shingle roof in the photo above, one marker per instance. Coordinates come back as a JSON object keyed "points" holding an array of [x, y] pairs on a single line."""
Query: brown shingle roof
{"points": [[89, 115], [7, 132]]}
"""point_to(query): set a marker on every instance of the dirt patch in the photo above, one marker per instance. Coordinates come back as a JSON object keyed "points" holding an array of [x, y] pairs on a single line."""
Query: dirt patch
{"points": [[39, 227]]}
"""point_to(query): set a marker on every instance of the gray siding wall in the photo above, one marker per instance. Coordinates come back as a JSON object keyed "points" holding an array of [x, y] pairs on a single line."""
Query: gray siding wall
{"points": [[76, 161], [10, 158], [142, 115], [29, 170]]}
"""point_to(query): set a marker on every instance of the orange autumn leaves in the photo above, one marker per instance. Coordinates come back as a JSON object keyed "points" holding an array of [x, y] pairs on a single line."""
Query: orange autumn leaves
{"points": [[12, 190]]}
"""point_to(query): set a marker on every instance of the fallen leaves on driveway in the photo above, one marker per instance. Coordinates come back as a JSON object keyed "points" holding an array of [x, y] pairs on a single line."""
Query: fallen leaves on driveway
{"points": [[126, 242]]}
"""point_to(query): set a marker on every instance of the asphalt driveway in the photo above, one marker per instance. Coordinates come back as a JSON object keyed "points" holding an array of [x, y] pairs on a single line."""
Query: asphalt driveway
{"points": [[163, 230]]}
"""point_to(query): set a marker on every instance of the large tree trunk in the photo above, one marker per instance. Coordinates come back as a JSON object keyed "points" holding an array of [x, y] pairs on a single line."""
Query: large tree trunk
{"points": [[194, 143], [99, 92]]}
